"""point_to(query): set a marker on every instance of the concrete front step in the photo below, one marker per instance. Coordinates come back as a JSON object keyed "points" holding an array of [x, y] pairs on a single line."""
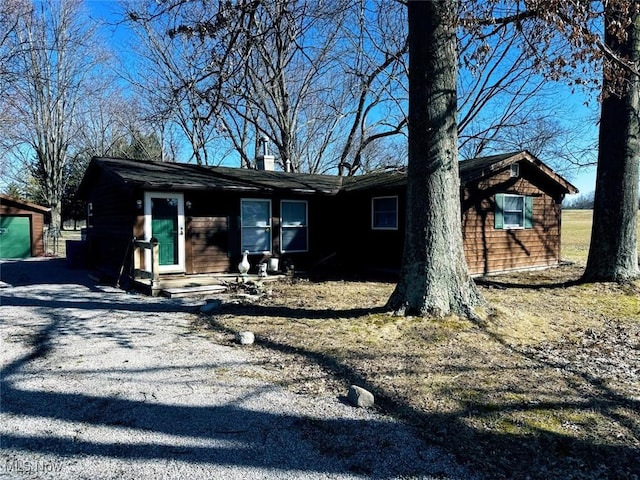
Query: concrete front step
{"points": [[177, 292]]}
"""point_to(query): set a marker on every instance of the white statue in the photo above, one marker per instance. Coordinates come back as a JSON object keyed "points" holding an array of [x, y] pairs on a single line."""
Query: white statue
{"points": [[244, 265]]}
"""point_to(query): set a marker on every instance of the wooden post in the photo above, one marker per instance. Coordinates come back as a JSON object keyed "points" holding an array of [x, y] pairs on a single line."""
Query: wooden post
{"points": [[155, 262], [136, 256], [152, 271]]}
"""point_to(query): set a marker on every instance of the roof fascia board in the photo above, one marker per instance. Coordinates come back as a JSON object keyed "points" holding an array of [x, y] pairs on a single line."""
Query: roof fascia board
{"points": [[5, 199], [528, 157], [568, 186], [341, 185]]}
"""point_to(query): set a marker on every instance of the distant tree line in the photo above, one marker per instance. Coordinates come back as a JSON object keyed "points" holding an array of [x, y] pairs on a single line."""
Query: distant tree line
{"points": [[581, 202]]}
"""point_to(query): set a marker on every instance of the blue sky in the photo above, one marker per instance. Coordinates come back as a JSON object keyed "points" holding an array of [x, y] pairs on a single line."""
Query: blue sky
{"points": [[573, 103]]}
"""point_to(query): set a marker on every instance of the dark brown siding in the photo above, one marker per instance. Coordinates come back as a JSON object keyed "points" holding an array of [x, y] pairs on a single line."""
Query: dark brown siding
{"points": [[321, 230], [214, 231], [37, 235], [110, 227], [365, 248], [209, 227], [325, 234], [208, 245], [488, 249]]}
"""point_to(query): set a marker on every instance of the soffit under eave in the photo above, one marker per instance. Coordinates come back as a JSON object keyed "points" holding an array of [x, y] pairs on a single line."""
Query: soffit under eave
{"points": [[93, 174]]}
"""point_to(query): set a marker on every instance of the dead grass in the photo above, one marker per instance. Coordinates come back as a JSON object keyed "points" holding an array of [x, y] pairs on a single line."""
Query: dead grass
{"points": [[576, 235], [545, 385]]}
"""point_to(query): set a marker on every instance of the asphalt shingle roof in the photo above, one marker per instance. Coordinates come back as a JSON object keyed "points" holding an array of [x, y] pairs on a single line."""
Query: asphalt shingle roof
{"points": [[175, 176], [182, 176]]}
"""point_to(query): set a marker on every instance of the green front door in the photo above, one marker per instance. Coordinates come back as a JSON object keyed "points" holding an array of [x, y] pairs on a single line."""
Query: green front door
{"points": [[15, 237], [164, 227], [165, 222]]}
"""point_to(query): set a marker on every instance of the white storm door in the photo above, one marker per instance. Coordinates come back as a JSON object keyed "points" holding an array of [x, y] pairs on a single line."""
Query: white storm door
{"points": [[164, 220]]}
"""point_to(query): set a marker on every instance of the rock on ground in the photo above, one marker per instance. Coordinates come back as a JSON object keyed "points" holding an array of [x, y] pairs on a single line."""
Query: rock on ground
{"points": [[100, 384]]}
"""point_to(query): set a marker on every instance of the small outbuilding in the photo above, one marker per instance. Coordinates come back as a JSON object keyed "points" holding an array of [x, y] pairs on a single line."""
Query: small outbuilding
{"points": [[21, 228], [159, 219]]}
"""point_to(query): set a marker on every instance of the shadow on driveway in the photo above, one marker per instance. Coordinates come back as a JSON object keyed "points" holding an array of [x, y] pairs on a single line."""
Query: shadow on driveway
{"points": [[74, 346], [42, 270]]}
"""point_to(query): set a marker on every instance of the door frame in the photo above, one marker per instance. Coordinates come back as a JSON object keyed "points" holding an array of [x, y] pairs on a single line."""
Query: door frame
{"points": [[180, 266]]}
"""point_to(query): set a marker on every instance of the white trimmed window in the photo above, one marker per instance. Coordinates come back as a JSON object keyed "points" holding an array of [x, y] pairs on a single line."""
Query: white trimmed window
{"points": [[294, 231], [513, 211], [255, 219], [384, 213]]}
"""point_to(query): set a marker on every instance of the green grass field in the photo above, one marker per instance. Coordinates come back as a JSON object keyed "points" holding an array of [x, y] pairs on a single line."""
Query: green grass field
{"points": [[576, 235]]}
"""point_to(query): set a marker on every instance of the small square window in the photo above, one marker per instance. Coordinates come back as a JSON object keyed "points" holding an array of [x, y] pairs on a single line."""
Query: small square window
{"points": [[513, 211], [384, 213]]}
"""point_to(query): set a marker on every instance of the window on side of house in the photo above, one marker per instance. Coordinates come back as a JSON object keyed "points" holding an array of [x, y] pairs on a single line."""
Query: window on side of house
{"points": [[90, 215], [513, 211], [255, 220], [294, 231], [384, 213]]}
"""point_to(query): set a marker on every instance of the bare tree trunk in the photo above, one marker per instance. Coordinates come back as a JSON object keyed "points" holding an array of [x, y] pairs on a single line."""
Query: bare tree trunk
{"points": [[52, 70], [613, 254], [56, 215], [434, 278]]}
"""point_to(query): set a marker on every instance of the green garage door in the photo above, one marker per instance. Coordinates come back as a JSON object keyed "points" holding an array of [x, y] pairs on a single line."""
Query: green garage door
{"points": [[15, 237]]}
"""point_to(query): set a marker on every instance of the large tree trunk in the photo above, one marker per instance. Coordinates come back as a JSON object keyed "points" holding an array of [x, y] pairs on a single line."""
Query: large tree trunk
{"points": [[613, 254], [434, 278]]}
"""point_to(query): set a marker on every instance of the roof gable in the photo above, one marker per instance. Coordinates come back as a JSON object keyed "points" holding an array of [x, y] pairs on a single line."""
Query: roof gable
{"points": [[470, 171], [6, 200], [478, 168]]}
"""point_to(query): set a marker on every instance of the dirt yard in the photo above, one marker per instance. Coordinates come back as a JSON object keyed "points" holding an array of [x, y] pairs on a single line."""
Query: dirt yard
{"points": [[545, 385]]}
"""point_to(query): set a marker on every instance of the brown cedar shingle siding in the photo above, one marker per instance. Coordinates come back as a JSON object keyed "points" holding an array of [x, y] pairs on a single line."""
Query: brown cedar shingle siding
{"points": [[488, 249]]}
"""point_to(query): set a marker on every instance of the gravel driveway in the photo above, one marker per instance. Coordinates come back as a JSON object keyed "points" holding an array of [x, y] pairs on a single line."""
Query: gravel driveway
{"points": [[97, 383]]}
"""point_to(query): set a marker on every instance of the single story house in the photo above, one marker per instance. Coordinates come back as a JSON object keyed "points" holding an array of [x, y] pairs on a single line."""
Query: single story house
{"points": [[21, 228], [201, 219]]}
